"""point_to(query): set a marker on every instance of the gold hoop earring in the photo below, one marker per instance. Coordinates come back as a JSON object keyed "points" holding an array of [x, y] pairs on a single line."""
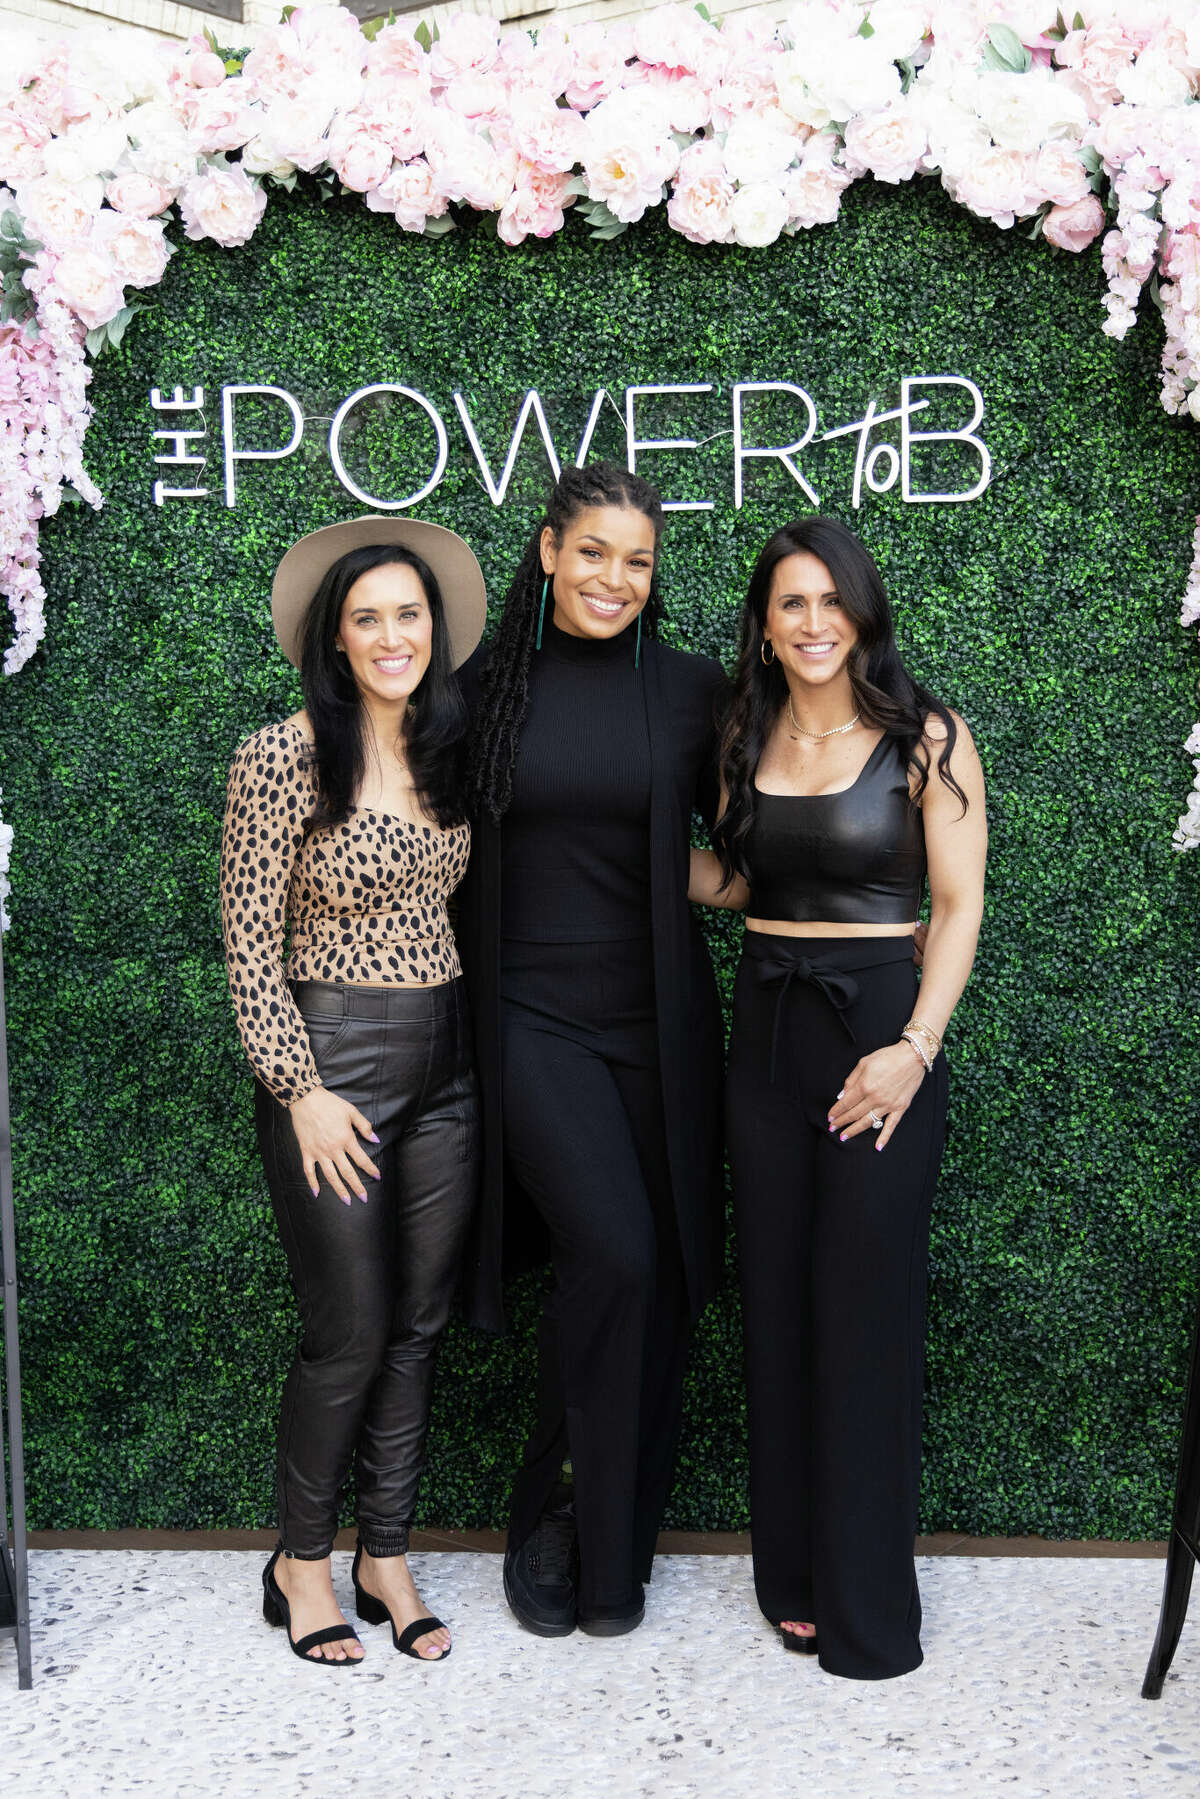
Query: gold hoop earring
{"points": [[763, 647]]}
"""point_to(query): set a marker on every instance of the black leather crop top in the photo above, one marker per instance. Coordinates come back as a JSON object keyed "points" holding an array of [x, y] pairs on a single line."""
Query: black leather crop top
{"points": [[854, 857]]}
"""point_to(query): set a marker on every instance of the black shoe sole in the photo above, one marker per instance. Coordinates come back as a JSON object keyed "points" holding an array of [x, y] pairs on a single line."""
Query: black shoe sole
{"points": [[611, 1627], [532, 1624]]}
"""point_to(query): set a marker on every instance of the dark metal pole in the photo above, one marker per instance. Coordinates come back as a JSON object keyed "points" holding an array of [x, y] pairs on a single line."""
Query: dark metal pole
{"points": [[16, 1570]]}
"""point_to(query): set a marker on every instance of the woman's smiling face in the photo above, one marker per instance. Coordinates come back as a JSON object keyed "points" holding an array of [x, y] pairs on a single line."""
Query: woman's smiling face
{"points": [[806, 624], [601, 570]]}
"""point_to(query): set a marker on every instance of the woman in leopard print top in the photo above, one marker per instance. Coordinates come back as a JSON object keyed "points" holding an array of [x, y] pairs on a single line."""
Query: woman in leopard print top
{"points": [[344, 836]]}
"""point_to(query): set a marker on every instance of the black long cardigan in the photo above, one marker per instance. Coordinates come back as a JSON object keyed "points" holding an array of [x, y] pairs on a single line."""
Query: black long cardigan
{"points": [[683, 695]]}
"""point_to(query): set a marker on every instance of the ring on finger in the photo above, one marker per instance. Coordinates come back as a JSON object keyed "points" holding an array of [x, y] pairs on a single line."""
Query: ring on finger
{"points": [[876, 1121]]}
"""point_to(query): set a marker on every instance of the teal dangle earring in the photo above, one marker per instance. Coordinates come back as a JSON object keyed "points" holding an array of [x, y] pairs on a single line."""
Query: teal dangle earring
{"points": [[542, 612], [637, 645]]}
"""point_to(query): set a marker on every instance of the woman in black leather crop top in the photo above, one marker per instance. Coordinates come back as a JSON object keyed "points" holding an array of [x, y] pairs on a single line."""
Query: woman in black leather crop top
{"points": [[846, 787]]}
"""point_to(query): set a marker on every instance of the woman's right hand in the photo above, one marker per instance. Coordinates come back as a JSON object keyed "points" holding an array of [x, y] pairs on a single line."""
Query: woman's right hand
{"points": [[325, 1127]]}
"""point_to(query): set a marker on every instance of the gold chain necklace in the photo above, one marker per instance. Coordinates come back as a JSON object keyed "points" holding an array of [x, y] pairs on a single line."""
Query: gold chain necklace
{"points": [[837, 731]]}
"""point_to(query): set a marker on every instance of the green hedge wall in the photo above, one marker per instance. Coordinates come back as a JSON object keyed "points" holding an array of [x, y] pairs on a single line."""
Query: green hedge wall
{"points": [[155, 1314]]}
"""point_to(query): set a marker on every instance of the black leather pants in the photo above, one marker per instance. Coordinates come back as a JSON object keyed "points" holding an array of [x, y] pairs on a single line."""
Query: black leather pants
{"points": [[374, 1282]]}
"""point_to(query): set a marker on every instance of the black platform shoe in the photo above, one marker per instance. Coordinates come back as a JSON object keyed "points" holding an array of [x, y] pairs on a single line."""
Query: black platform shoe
{"points": [[540, 1574]]}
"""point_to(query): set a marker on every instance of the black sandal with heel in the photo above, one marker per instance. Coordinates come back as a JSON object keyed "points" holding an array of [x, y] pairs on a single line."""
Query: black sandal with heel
{"points": [[374, 1611], [278, 1614], [797, 1644]]}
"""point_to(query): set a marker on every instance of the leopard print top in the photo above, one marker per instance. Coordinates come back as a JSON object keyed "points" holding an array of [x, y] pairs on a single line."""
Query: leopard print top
{"points": [[365, 901]]}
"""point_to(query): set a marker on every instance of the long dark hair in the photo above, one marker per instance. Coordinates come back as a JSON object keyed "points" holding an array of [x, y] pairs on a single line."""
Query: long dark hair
{"points": [[884, 691], [504, 683], [434, 724]]}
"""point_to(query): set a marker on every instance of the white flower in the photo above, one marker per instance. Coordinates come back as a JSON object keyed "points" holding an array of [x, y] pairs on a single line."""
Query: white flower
{"points": [[756, 151], [1154, 81], [262, 158], [758, 213], [86, 150], [1023, 111], [628, 155], [159, 145]]}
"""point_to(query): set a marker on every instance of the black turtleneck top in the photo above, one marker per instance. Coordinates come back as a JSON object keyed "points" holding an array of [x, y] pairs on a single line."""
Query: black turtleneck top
{"points": [[575, 855]]}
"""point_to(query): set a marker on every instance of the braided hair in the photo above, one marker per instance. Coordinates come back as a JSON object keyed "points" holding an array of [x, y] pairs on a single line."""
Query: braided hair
{"points": [[504, 684]]}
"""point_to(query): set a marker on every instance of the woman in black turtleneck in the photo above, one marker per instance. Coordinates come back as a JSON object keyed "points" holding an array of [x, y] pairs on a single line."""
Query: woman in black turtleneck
{"points": [[597, 1032]]}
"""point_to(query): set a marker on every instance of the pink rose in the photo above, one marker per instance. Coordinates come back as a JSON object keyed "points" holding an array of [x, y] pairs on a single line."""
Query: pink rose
{"points": [[1059, 175], [138, 248], [86, 281], [359, 154], [410, 194], [138, 195], [468, 44], [699, 207], [1075, 226], [223, 204], [889, 143]]}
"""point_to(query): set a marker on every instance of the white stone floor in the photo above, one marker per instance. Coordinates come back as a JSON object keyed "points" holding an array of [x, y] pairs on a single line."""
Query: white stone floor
{"points": [[154, 1675]]}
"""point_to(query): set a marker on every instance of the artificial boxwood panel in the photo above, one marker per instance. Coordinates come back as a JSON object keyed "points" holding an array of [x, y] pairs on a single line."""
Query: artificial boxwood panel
{"points": [[155, 1315]]}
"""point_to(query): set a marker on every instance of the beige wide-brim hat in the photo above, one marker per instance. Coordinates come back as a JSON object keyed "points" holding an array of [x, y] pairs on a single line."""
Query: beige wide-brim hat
{"points": [[451, 558]]}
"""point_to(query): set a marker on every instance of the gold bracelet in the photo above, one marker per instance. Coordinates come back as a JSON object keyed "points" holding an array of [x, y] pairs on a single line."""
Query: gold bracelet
{"points": [[927, 1031]]}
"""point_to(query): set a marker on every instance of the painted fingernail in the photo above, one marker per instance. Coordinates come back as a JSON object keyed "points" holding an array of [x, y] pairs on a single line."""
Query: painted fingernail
{"points": [[316, 1192], [832, 1129], [363, 1197], [879, 1146], [843, 1136], [373, 1138], [346, 1201], [841, 1092], [377, 1176]]}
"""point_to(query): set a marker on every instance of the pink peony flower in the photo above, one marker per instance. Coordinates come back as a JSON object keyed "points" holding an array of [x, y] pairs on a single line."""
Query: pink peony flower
{"points": [[481, 98], [221, 119], [138, 247], [467, 168], [814, 193], [685, 99], [536, 206], [889, 143], [23, 138], [138, 195], [469, 44], [1098, 57], [700, 203], [87, 281], [549, 137], [410, 193], [359, 153], [296, 127], [58, 213], [597, 66], [1059, 175], [396, 55], [1075, 226], [996, 186], [223, 204], [399, 112]]}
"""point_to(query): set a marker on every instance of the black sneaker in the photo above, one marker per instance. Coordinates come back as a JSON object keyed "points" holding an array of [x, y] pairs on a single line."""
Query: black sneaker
{"points": [[540, 1575]]}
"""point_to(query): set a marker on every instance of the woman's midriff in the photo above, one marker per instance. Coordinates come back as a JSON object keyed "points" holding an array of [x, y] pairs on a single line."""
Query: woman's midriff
{"points": [[786, 927]]}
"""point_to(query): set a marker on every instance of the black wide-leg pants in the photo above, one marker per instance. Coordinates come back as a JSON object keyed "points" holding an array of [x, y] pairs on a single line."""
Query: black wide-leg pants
{"points": [[585, 1137], [373, 1282], [833, 1244]]}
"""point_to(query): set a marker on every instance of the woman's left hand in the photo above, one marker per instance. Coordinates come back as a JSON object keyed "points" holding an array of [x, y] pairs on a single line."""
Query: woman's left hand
{"points": [[884, 1083]]}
